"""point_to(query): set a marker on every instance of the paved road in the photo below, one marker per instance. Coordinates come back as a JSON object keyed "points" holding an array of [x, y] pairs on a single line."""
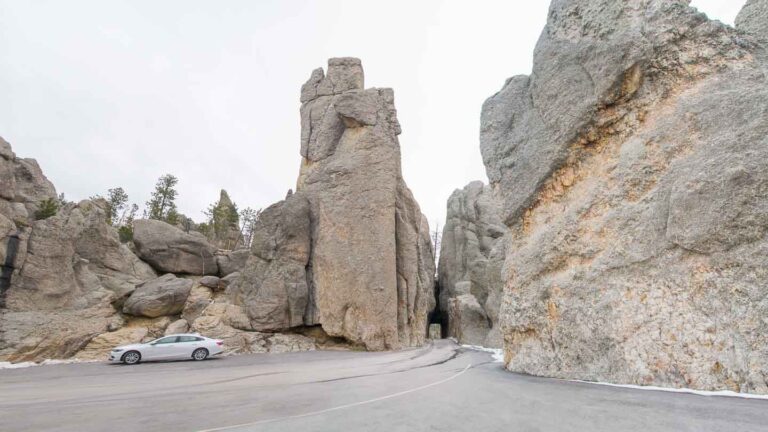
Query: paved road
{"points": [[437, 388]]}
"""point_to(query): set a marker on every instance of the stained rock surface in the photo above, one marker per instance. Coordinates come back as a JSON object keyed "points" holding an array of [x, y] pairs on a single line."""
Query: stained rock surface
{"points": [[631, 165]]}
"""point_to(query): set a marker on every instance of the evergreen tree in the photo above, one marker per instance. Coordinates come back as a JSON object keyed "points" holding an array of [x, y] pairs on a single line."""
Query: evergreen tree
{"points": [[162, 206]]}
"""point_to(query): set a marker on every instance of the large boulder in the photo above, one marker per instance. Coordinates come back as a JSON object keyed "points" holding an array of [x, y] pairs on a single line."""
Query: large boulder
{"points": [[471, 260], [165, 295], [631, 169], [169, 249]]}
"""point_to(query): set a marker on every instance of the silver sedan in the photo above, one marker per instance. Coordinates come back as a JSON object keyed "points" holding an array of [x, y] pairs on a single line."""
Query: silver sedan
{"points": [[171, 347]]}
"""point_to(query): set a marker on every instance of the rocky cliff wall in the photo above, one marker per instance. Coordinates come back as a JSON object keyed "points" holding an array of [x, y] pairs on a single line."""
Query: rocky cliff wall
{"points": [[631, 166], [472, 254]]}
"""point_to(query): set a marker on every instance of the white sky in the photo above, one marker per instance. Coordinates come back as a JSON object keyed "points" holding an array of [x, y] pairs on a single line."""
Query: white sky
{"points": [[117, 93]]}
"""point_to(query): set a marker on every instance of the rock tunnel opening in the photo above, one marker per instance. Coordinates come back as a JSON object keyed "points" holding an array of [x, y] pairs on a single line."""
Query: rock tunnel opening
{"points": [[12, 248]]}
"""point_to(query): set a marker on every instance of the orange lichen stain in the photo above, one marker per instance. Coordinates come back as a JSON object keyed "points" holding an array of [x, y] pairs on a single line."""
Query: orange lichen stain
{"points": [[552, 311]]}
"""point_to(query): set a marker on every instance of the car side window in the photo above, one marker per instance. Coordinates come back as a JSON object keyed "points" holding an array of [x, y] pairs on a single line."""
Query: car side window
{"points": [[187, 339], [167, 340]]}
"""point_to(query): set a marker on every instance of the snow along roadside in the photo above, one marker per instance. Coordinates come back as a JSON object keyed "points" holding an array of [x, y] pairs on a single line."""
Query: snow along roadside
{"points": [[496, 353], [47, 362], [498, 357], [722, 393]]}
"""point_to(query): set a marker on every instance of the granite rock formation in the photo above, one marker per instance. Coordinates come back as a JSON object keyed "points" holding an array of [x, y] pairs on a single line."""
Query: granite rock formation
{"points": [[171, 250], [71, 289], [62, 273], [470, 269], [223, 229], [350, 250], [631, 169]]}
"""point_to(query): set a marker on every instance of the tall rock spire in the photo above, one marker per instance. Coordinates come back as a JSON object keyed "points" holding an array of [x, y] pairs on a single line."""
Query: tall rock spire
{"points": [[364, 248]]}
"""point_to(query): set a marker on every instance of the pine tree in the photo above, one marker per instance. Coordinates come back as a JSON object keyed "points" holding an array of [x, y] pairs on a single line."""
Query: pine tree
{"points": [[162, 206]]}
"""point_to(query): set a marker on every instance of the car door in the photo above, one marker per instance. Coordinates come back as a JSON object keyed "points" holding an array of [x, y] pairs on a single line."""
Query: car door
{"points": [[162, 349], [185, 346]]}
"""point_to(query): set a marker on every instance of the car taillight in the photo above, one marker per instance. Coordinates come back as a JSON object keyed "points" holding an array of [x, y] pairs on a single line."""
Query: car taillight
{"points": [[219, 343]]}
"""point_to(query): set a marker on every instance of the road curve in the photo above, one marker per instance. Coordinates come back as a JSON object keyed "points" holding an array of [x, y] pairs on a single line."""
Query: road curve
{"points": [[436, 388]]}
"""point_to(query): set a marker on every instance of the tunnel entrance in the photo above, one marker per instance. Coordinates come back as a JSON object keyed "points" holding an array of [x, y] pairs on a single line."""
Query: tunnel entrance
{"points": [[12, 248], [437, 316]]}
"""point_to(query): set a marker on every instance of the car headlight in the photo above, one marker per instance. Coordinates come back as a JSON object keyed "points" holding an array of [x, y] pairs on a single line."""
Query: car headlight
{"points": [[117, 350]]}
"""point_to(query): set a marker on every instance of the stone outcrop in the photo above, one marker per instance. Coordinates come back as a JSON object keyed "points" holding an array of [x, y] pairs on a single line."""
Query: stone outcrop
{"points": [[753, 19], [163, 296], [223, 229], [228, 322], [631, 169], [169, 249], [274, 288], [62, 274], [350, 250], [471, 260]]}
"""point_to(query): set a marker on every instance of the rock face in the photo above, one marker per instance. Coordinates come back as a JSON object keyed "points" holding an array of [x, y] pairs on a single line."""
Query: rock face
{"points": [[274, 287], [471, 260], [171, 250], [232, 261], [753, 19], [61, 274], [631, 169], [350, 249]]}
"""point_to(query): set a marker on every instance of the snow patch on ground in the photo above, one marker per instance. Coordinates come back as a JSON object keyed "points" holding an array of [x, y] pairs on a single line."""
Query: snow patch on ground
{"points": [[47, 362], [498, 356], [496, 353], [724, 393]]}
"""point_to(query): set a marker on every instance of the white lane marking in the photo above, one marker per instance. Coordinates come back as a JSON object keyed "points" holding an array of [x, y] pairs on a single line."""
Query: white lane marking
{"points": [[341, 407]]}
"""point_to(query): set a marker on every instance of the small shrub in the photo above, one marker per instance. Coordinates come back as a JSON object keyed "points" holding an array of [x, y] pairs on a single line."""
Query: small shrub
{"points": [[47, 208], [125, 233]]}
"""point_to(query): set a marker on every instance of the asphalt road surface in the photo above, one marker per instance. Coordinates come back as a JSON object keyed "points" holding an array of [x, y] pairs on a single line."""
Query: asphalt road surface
{"points": [[437, 388]]}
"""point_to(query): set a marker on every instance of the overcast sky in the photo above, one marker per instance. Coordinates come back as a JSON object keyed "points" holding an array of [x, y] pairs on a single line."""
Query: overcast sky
{"points": [[117, 93]]}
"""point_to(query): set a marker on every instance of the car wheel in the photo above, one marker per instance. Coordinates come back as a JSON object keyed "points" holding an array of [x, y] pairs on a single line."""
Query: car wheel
{"points": [[200, 354], [131, 357]]}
